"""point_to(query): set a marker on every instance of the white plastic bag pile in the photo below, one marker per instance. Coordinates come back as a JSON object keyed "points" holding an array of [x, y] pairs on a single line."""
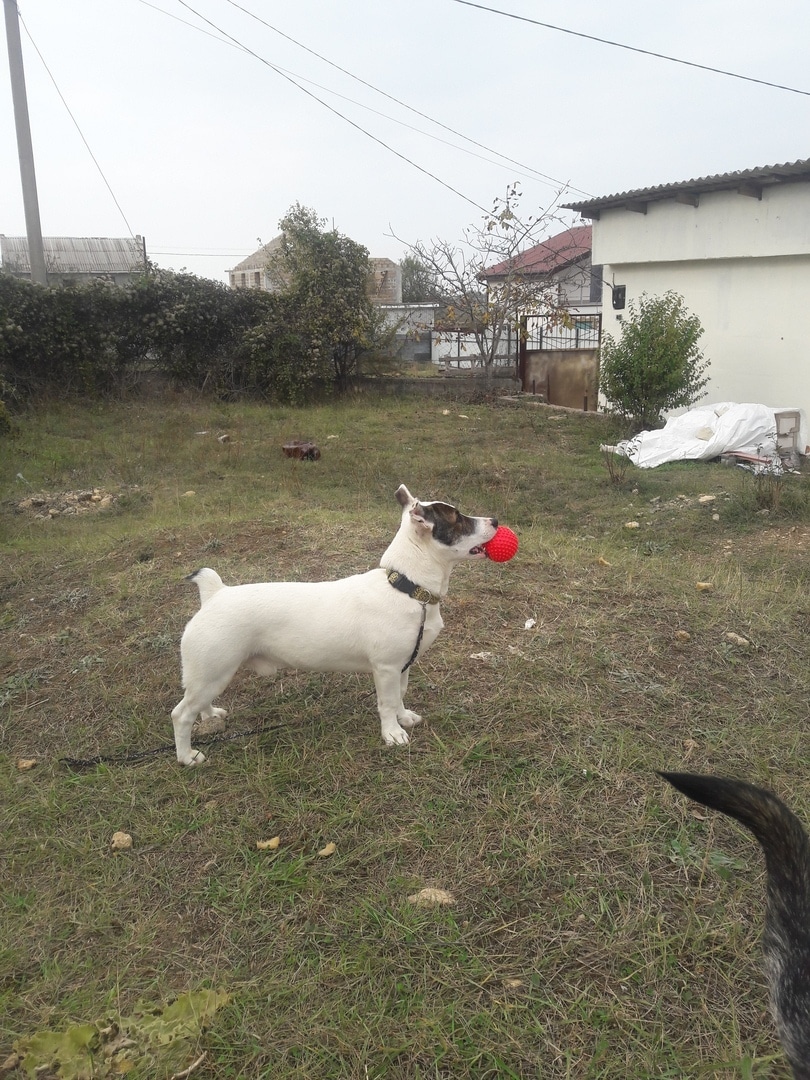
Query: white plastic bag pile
{"points": [[708, 432]]}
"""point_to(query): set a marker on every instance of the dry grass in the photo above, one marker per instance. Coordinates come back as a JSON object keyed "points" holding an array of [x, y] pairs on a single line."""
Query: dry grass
{"points": [[602, 928]]}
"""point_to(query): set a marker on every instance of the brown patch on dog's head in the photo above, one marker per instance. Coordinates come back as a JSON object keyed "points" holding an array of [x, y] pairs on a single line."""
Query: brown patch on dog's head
{"points": [[447, 523]]}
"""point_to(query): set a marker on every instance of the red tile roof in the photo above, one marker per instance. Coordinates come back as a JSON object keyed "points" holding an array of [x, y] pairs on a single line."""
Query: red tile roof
{"points": [[553, 254]]}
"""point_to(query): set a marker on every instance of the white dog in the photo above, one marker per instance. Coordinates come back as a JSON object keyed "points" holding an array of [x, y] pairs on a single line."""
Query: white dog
{"points": [[378, 621]]}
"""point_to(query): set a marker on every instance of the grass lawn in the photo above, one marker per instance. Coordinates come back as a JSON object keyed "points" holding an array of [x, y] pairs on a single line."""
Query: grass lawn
{"points": [[600, 926]]}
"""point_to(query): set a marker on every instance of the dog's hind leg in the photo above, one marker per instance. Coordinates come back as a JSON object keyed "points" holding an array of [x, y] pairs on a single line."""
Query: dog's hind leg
{"points": [[211, 722], [213, 713], [388, 684], [196, 700]]}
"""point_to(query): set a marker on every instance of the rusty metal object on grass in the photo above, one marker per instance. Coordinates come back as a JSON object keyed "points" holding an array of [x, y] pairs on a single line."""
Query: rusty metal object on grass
{"points": [[301, 449]]}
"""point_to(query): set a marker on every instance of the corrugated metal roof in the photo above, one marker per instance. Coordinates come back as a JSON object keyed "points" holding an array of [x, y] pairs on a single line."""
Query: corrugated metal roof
{"points": [[761, 177], [76, 255], [553, 254]]}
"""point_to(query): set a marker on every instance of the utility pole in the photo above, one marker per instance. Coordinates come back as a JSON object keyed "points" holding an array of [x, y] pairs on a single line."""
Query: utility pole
{"points": [[25, 150]]}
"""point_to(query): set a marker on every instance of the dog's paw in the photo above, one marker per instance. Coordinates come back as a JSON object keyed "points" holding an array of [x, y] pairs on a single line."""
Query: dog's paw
{"points": [[396, 737], [409, 719], [196, 757]]}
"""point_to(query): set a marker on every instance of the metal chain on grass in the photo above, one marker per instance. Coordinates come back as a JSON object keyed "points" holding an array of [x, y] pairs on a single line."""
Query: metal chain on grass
{"points": [[140, 755]]}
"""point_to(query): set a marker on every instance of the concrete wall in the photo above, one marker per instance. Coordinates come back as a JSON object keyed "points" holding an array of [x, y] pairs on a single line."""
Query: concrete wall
{"points": [[469, 388], [724, 225], [568, 377], [386, 284], [742, 266]]}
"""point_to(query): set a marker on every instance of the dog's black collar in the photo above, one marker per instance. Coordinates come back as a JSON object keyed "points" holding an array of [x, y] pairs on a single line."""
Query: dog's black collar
{"points": [[410, 588]]}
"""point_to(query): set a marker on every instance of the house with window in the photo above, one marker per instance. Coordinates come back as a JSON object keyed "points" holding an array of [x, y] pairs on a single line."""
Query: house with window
{"points": [[558, 358], [412, 324], [384, 288], [75, 260], [252, 272], [736, 247]]}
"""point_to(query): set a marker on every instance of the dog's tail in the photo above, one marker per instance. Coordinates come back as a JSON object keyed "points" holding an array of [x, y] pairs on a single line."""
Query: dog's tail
{"points": [[786, 940], [208, 582]]}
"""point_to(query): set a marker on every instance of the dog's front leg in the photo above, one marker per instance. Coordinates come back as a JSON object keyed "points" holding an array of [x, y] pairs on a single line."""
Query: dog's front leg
{"points": [[388, 683], [405, 717]]}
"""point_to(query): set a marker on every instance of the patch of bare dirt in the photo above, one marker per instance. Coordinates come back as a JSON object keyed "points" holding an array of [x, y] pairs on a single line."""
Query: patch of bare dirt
{"points": [[45, 505], [787, 538]]}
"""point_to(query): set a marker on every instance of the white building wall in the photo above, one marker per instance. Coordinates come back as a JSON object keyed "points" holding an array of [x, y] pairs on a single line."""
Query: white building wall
{"points": [[742, 266], [724, 225]]}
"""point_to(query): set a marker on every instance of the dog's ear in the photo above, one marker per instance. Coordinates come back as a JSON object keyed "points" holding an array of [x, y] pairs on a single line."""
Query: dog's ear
{"points": [[419, 518], [415, 509]]}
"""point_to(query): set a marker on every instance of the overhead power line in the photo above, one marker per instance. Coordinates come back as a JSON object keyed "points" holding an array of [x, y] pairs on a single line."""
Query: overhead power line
{"points": [[403, 104], [200, 254], [632, 48], [226, 38], [357, 127], [525, 171]]}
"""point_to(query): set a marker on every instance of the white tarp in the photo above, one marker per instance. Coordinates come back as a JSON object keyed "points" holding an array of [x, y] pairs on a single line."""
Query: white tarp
{"points": [[709, 431]]}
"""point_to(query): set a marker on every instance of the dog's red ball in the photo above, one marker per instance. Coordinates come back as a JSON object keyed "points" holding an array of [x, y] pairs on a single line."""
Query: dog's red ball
{"points": [[502, 546]]}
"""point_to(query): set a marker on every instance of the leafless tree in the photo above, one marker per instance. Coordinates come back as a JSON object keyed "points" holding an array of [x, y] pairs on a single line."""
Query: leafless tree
{"points": [[485, 280]]}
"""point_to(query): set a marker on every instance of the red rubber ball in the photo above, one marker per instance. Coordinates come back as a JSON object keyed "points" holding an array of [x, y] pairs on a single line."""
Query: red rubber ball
{"points": [[502, 546]]}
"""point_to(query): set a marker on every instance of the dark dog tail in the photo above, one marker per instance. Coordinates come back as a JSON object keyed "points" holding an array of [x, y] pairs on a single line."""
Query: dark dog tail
{"points": [[208, 582], [786, 940]]}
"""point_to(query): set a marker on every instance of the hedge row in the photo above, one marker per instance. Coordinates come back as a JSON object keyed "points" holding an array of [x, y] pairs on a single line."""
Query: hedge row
{"points": [[98, 339]]}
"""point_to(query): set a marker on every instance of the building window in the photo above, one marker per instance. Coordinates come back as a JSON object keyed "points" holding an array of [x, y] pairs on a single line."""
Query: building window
{"points": [[596, 284]]}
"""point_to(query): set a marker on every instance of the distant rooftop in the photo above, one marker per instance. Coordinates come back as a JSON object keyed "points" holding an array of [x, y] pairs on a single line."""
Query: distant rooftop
{"points": [[76, 255], [547, 257], [260, 258], [385, 286]]}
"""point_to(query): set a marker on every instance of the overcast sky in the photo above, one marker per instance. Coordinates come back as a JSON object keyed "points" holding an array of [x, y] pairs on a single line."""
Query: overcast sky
{"points": [[205, 145]]}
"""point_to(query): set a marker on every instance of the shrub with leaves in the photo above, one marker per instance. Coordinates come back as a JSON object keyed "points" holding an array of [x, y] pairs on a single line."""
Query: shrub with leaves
{"points": [[62, 340], [96, 338], [192, 327], [324, 278], [273, 358], [656, 364], [312, 332]]}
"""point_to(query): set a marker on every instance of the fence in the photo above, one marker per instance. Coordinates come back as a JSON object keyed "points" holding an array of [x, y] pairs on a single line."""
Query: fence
{"points": [[583, 333]]}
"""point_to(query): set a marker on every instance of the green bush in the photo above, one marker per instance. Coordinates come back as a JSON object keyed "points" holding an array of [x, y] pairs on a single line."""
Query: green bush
{"points": [[97, 338], [656, 364], [59, 340], [324, 278], [190, 328]]}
